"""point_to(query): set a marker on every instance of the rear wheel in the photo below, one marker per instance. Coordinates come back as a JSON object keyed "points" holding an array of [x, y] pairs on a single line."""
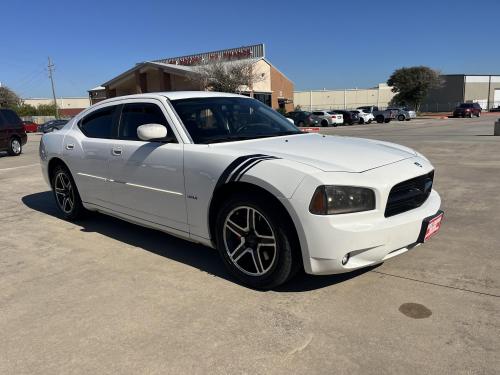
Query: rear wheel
{"points": [[66, 194], [401, 118], [256, 241], [479, 114], [324, 123], [379, 119], [15, 147], [361, 121]]}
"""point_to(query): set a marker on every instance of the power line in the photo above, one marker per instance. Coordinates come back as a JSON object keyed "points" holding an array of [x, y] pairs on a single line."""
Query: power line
{"points": [[50, 67]]}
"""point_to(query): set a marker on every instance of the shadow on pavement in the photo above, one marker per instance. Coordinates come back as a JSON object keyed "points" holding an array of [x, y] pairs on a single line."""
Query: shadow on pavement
{"points": [[191, 254]]}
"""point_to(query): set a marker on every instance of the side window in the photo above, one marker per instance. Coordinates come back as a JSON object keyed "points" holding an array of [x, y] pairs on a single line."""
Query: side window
{"points": [[137, 114], [2, 121], [11, 117], [98, 124]]}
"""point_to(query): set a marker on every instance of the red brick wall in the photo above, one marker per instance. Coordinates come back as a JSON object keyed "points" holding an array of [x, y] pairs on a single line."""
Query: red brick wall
{"points": [[281, 85]]}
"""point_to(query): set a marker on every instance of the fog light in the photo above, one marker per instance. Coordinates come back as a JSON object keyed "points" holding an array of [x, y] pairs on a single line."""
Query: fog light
{"points": [[345, 259]]}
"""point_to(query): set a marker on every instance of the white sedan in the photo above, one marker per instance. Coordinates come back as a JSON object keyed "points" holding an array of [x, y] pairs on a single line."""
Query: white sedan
{"points": [[364, 117], [326, 118], [229, 172]]}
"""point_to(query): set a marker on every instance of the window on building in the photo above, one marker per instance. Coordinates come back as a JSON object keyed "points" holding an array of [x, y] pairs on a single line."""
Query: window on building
{"points": [[263, 97]]}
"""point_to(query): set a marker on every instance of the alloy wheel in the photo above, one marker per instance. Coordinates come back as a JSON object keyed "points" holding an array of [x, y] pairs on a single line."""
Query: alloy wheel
{"points": [[65, 194], [249, 241], [16, 146]]}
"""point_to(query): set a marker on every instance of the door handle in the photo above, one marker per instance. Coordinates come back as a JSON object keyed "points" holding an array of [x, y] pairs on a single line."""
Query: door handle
{"points": [[70, 146], [117, 151]]}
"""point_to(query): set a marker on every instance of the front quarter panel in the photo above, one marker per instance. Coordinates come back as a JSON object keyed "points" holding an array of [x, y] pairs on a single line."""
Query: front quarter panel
{"points": [[204, 166]]}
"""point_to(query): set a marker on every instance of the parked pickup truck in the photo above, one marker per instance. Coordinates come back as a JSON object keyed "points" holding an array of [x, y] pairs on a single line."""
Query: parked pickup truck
{"points": [[380, 116]]}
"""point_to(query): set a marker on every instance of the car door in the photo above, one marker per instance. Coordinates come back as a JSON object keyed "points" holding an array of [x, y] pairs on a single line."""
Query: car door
{"points": [[3, 132], [148, 177], [87, 154]]}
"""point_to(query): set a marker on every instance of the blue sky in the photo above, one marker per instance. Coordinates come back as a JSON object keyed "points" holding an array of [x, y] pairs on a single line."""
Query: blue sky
{"points": [[317, 44]]}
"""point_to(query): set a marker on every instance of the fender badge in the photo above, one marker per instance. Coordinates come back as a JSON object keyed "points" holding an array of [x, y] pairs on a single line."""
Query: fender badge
{"points": [[418, 164]]}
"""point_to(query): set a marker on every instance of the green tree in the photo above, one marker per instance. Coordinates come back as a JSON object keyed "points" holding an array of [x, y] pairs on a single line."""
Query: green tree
{"points": [[412, 84], [8, 98], [24, 109], [46, 110]]}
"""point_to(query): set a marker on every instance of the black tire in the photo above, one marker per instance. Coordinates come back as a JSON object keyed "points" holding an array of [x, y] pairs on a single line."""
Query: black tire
{"points": [[259, 269], [361, 121], [324, 123], [401, 117], [479, 114], [369, 122], [379, 119], [62, 179], [15, 147]]}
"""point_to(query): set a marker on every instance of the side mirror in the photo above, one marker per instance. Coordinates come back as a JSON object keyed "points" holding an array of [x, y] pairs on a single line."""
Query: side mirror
{"points": [[148, 132], [291, 120]]}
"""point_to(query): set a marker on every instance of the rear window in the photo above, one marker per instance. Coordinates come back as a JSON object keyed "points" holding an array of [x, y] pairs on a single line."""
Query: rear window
{"points": [[465, 105], [11, 118], [99, 123], [318, 113]]}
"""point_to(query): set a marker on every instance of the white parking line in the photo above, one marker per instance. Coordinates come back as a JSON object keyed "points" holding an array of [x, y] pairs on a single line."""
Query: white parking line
{"points": [[22, 166]]}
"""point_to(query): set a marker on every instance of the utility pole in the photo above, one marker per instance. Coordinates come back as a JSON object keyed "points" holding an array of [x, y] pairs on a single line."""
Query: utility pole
{"points": [[50, 67]]}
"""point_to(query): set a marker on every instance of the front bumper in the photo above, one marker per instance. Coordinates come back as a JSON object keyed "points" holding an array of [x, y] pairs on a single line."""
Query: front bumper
{"points": [[367, 243], [368, 237]]}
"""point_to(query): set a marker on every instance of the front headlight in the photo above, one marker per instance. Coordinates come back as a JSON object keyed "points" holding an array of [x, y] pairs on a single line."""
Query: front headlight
{"points": [[332, 200]]}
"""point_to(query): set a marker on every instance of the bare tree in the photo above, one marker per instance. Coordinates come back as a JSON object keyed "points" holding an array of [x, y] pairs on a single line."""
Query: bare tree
{"points": [[8, 98], [227, 76]]}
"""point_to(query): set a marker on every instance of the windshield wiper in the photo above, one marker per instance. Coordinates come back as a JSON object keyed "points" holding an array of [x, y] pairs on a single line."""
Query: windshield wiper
{"points": [[226, 139], [230, 138]]}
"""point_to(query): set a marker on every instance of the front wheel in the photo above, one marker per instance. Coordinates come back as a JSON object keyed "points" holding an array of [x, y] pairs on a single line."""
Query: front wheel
{"points": [[66, 194], [256, 241], [401, 117], [361, 121], [479, 114], [15, 147], [379, 119], [324, 123]]}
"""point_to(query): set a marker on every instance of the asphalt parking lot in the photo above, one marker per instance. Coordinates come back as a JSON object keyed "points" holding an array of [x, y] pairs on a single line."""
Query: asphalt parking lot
{"points": [[103, 296]]}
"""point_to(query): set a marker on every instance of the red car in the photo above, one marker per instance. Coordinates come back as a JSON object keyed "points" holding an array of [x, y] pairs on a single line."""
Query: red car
{"points": [[30, 126]]}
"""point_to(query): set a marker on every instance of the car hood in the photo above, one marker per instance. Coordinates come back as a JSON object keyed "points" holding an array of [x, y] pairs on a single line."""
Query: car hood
{"points": [[327, 153]]}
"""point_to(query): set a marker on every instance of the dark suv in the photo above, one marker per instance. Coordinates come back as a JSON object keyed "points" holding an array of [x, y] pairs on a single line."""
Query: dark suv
{"points": [[303, 118], [467, 110], [12, 133]]}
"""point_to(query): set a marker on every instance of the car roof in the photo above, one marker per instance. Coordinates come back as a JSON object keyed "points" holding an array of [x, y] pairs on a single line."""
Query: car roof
{"points": [[175, 95]]}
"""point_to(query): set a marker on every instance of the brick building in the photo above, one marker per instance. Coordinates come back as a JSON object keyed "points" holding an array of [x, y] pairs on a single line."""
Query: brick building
{"points": [[178, 73]]}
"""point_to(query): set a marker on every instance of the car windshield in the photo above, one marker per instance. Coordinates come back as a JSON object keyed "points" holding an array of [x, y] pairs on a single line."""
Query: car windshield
{"points": [[465, 105], [226, 119]]}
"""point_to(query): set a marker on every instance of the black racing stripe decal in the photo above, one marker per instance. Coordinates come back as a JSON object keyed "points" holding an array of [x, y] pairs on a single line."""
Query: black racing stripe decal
{"points": [[253, 165], [245, 164], [231, 167], [249, 167]]}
